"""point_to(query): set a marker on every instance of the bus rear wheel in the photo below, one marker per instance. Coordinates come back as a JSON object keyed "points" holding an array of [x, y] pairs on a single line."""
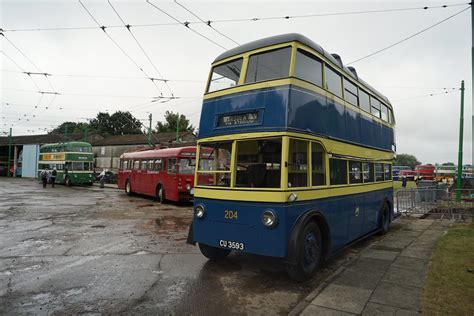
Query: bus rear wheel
{"points": [[160, 194], [384, 219], [309, 253], [213, 253], [128, 188]]}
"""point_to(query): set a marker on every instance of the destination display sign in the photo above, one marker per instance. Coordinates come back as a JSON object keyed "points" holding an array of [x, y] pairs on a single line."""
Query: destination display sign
{"points": [[238, 119], [53, 156]]}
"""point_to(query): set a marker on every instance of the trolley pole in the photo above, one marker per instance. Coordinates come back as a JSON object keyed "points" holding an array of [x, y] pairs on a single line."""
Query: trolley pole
{"points": [[9, 152], [149, 130], [177, 129], [461, 132]]}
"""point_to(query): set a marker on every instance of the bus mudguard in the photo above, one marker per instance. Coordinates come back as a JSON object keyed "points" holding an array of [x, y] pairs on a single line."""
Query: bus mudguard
{"points": [[301, 222], [190, 239]]}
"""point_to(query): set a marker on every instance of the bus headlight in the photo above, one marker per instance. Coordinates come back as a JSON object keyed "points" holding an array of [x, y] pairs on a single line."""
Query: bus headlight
{"points": [[191, 191], [199, 211], [292, 197], [269, 219], [188, 186]]}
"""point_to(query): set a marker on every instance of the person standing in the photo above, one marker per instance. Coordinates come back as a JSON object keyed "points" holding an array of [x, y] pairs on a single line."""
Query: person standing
{"points": [[44, 177], [54, 173], [102, 178]]}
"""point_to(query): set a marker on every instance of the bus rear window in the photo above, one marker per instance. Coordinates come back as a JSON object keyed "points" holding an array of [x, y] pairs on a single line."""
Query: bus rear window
{"points": [[269, 65], [225, 76]]}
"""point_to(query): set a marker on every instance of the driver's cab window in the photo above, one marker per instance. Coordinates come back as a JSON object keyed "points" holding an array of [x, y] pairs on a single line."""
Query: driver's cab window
{"points": [[259, 163], [171, 165], [298, 163]]}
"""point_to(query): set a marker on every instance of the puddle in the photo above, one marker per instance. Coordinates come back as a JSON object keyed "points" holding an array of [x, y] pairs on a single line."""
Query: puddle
{"points": [[144, 205], [97, 226]]}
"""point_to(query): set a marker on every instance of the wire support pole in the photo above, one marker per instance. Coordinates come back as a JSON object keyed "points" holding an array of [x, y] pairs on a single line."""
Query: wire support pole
{"points": [[9, 152], [460, 150]]}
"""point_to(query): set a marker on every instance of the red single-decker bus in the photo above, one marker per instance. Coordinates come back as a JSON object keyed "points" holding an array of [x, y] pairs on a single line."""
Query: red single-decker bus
{"points": [[167, 174]]}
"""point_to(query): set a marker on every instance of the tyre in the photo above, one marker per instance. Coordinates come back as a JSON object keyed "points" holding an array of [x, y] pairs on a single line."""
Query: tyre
{"points": [[384, 219], [308, 254], [160, 194], [128, 188], [213, 253], [67, 181]]}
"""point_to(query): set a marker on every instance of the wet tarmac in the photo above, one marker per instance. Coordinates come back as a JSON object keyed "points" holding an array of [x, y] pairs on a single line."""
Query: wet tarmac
{"points": [[91, 250]]}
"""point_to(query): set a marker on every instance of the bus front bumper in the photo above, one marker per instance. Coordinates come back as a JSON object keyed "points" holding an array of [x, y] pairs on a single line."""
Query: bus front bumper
{"points": [[239, 226]]}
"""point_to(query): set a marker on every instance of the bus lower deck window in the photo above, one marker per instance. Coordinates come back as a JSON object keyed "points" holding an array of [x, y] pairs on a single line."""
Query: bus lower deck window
{"points": [[379, 174], [355, 172], [318, 169], [259, 163], [368, 172], [214, 164], [338, 171], [298, 163]]}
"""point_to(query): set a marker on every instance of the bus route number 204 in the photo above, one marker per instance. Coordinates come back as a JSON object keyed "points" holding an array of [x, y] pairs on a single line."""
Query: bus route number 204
{"points": [[231, 214]]}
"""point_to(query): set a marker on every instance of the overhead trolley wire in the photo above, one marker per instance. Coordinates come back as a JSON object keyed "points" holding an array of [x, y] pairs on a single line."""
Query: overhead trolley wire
{"points": [[103, 28], [40, 72], [209, 23], [128, 27], [409, 37], [428, 95], [22, 70], [186, 25], [254, 19]]}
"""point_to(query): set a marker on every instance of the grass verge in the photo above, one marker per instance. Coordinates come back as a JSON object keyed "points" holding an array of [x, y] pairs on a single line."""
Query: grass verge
{"points": [[449, 288], [398, 185]]}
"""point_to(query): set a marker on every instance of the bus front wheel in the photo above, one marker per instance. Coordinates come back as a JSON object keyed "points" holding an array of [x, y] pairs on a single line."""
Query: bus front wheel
{"points": [[309, 253], [213, 253]]}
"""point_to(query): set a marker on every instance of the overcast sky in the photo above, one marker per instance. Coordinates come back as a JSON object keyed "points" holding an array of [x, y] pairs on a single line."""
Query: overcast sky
{"points": [[427, 126]]}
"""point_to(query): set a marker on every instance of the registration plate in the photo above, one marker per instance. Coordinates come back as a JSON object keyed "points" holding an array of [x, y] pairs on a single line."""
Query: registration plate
{"points": [[234, 245]]}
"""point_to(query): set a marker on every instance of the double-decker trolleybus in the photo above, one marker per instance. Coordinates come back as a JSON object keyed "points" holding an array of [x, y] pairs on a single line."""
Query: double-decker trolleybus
{"points": [[302, 150], [73, 162]]}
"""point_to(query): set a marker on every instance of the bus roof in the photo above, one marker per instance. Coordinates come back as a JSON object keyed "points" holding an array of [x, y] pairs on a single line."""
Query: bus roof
{"points": [[158, 153], [74, 143], [295, 37]]}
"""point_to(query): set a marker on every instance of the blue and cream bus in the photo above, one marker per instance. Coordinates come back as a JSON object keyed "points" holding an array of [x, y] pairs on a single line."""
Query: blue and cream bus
{"points": [[301, 152]]}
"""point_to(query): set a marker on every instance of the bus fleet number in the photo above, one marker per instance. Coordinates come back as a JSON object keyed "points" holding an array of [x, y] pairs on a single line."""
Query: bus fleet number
{"points": [[230, 214]]}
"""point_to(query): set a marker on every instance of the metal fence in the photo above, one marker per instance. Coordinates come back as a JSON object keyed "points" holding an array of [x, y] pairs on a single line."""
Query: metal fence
{"points": [[435, 202]]}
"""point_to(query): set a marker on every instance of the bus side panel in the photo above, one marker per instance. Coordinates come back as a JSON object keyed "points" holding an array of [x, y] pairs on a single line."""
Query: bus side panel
{"points": [[307, 111], [345, 224]]}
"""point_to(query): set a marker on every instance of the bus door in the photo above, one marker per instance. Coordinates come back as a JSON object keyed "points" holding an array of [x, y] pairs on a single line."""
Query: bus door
{"points": [[135, 177], [170, 179], [356, 203], [148, 177]]}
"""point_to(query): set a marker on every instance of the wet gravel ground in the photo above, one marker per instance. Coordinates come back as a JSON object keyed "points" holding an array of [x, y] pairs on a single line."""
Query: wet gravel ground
{"points": [[91, 250]]}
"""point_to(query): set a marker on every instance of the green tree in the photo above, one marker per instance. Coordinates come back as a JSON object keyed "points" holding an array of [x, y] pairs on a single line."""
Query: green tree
{"points": [[406, 160], [72, 127], [171, 122], [119, 123]]}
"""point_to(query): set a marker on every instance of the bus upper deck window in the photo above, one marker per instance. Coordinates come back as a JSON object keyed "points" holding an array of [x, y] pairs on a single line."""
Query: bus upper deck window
{"points": [[333, 81], [364, 101], [384, 113], [269, 65], [225, 76], [350, 93], [375, 107], [308, 67]]}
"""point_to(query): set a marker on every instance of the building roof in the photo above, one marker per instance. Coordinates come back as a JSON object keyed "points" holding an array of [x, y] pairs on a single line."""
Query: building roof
{"points": [[42, 139], [141, 139], [291, 37]]}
